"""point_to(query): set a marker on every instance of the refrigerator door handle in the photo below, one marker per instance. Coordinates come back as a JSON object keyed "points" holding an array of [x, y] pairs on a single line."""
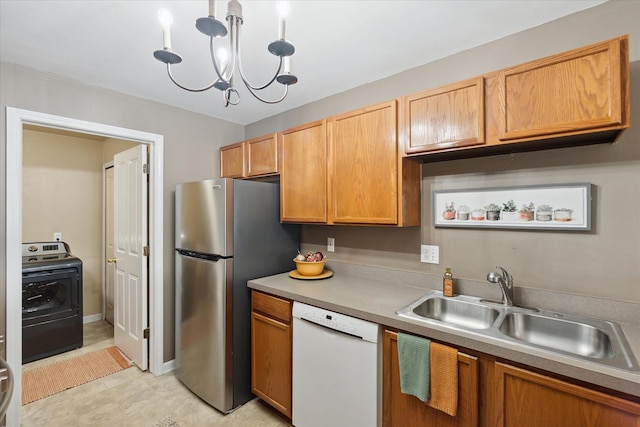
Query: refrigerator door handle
{"points": [[199, 255]]}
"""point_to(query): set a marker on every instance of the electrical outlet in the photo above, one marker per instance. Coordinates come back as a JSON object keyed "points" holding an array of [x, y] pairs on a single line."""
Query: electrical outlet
{"points": [[430, 254], [331, 244], [57, 236]]}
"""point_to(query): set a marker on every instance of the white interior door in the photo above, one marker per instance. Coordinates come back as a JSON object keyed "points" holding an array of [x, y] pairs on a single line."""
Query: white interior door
{"points": [[130, 240], [110, 266]]}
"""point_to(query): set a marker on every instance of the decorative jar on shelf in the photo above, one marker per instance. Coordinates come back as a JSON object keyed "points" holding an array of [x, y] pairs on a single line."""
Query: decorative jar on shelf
{"points": [[449, 212], [463, 213], [544, 213]]}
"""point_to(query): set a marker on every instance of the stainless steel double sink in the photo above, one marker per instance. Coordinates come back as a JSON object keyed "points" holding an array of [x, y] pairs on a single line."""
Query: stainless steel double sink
{"points": [[586, 338]]}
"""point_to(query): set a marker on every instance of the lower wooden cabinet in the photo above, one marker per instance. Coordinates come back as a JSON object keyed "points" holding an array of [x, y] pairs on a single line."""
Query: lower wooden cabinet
{"points": [[271, 350], [399, 409], [527, 399], [490, 393]]}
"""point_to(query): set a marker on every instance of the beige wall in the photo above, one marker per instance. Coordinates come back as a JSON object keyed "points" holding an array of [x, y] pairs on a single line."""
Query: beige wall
{"points": [[191, 144], [602, 263], [62, 191], [605, 262]]}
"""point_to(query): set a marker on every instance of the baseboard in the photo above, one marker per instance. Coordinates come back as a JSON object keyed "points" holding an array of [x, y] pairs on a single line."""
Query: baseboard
{"points": [[92, 318], [169, 366]]}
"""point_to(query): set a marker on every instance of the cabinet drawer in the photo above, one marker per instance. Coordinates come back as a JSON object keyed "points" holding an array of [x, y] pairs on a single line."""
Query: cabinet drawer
{"points": [[275, 307]]}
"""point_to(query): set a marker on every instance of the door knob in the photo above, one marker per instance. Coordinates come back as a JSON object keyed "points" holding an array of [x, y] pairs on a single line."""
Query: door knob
{"points": [[112, 260]]}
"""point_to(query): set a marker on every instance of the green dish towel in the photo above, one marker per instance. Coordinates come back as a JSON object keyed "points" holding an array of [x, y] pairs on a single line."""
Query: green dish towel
{"points": [[413, 358]]}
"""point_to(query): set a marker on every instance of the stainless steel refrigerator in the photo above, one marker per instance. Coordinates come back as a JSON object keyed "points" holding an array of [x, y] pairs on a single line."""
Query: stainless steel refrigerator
{"points": [[226, 233]]}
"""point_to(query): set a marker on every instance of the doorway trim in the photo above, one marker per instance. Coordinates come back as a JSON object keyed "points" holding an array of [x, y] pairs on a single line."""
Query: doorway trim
{"points": [[15, 120]]}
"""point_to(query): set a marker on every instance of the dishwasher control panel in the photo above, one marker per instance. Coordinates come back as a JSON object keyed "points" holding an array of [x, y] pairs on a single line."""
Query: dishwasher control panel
{"points": [[339, 322]]}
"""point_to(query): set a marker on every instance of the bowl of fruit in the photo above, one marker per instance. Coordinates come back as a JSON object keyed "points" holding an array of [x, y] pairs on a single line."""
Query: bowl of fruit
{"points": [[311, 264]]}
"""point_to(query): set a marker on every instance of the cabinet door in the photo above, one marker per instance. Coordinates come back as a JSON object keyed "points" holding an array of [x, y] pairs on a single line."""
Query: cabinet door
{"points": [[447, 117], [403, 410], [262, 155], [363, 166], [566, 93], [271, 362], [303, 174], [232, 161], [271, 348], [524, 398]]}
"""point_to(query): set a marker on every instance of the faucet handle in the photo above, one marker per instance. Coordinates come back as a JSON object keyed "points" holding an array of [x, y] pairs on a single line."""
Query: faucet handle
{"points": [[507, 277]]}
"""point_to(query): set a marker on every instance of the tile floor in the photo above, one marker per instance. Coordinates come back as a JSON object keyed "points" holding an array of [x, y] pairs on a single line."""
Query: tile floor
{"points": [[134, 398]]}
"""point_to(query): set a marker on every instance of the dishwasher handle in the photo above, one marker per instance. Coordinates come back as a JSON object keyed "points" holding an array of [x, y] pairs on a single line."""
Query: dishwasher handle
{"points": [[329, 328], [337, 322]]}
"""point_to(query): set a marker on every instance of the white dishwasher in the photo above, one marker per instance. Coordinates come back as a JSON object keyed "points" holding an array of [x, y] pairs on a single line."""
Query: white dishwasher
{"points": [[335, 369]]}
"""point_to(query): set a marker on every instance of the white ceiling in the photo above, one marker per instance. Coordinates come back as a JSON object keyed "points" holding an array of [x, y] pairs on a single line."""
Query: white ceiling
{"points": [[339, 44]]}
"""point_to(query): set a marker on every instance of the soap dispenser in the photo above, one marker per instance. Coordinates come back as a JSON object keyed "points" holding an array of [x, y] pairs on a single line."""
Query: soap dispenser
{"points": [[447, 283]]}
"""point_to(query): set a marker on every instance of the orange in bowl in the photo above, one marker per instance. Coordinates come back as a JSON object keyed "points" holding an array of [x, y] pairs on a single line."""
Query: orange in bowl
{"points": [[309, 268]]}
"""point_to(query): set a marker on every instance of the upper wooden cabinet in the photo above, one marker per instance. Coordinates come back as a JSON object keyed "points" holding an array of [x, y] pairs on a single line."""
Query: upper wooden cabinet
{"points": [[262, 155], [348, 170], [303, 174], [573, 92], [363, 166], [569, 99], [232, 164], [447, 117], [252, 158]]}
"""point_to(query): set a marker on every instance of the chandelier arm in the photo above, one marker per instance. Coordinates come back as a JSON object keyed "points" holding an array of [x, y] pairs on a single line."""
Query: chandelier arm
{"points": [[244, 79], [225, 71], [202, 89], [215, 63], [266, 101]]}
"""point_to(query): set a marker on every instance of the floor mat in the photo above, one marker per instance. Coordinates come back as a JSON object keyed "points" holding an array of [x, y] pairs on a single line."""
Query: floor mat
{"points": [[47, 380]]}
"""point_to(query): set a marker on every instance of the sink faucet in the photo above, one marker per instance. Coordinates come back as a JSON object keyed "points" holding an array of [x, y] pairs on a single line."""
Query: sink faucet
{"points": [[506, 284]]}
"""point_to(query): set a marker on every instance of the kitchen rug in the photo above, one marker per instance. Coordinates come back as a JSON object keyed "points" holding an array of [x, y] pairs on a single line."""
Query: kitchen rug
{"points": [[50, 379]]}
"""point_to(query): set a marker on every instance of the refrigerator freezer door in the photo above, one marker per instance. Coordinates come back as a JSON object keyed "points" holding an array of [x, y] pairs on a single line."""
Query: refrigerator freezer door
{"points": [[203, 332], [204, 216]]}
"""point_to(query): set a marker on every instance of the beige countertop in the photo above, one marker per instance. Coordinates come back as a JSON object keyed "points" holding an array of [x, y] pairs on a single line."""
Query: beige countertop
{"points": [[375, 294]]}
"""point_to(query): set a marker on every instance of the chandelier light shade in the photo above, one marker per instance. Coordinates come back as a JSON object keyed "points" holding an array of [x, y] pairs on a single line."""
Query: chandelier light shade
{"points": [[227, 60]]}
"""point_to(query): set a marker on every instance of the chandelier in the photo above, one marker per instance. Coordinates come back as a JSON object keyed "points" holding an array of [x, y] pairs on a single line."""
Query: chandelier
{"points": [[229, 59]]}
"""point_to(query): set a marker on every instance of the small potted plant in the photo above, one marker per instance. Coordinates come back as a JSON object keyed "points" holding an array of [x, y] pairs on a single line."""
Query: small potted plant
{"points": [[449, 212], [493, 212], [544, 213], [477, 214], [526, 211], [463, 213], [562, 214], [509, 211]]}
